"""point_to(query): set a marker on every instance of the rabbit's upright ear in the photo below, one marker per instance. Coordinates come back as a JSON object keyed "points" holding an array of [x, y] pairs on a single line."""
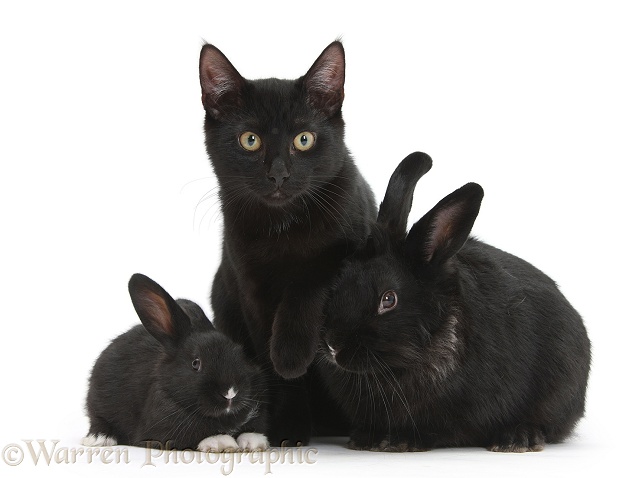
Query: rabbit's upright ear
{"points": [[197, 316], [396, 204], [440, 234], [163, 318]]}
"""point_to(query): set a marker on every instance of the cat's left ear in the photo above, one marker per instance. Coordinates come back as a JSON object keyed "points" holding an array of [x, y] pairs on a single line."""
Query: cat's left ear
{"points": [[324, 81], [221, 84]]}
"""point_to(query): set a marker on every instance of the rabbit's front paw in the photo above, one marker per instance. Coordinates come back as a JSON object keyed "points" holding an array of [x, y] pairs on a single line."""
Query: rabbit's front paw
{"points": [[252, 442], [218, 444], [98, 440], [518, 440], [383, 442]]}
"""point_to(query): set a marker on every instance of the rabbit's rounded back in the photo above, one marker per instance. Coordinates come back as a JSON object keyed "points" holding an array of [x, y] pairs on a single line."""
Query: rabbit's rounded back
{"points": [[473, 342], [174, 364], [198, 365]]}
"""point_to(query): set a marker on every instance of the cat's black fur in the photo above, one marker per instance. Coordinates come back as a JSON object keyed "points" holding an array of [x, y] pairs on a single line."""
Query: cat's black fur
{"points": [[290, 216], [436, 339]]}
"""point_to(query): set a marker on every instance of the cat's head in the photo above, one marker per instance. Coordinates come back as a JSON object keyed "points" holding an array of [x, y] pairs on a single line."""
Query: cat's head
{"points": [[273, 140]]}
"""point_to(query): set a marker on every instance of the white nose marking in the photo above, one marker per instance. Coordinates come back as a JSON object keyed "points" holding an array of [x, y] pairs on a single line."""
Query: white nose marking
{"points": [[332, 351], [231, 393]]}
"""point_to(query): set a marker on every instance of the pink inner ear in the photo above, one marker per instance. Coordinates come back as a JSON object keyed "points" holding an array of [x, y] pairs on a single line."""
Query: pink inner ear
{"points": [[327, 74], [218, 82], [157, 309], [218, 76], [442, 227], [327, 78]]}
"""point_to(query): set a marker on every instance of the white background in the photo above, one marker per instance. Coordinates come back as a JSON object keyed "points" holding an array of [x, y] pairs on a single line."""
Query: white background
{"points": [[102, 167]]}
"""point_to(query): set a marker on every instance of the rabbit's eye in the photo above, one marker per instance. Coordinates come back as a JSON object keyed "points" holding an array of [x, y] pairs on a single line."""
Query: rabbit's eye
{"points": [[196, 364], [388, 302]]}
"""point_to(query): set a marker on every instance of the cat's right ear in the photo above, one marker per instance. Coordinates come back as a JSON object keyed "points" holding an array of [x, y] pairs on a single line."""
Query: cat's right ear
{"points": [[324, 81], [221, 84]]}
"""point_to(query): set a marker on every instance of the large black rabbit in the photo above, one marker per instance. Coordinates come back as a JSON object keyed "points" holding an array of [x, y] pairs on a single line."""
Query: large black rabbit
{"points": [[174, 382], [434, 339]]}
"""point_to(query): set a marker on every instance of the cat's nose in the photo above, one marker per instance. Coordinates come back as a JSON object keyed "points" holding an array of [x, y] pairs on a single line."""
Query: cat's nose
{"points": [[279, 179], [278, 172]]}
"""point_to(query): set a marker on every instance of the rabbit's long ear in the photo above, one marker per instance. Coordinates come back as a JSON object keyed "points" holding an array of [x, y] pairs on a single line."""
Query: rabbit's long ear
{"points": [[163, 318], [396, 204], [197, 316], [443, 231]]}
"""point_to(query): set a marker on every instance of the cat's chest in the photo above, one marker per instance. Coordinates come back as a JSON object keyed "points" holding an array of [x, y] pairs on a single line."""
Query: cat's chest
{"points": [[263, 270], [267, 265], [284, 246]]}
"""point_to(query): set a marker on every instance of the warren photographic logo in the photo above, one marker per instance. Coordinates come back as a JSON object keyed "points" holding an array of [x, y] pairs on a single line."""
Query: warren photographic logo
{"points": [[51, 453]]}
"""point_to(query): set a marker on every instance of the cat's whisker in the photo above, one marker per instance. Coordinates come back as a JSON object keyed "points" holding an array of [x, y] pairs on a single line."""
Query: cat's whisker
{"points": [[343, 195], [211, 194], [234, 194], [329, 201], [189, 183], [323, 206]]}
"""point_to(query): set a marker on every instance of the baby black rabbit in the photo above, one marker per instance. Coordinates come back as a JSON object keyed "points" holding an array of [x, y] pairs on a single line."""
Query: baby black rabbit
{"points": [[174, 382], [434, 339]]}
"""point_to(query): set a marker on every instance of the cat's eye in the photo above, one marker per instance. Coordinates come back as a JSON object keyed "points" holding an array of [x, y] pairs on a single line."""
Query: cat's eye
{"points": [[388, 302], [250, 141], [196, 364], [304, 141]]}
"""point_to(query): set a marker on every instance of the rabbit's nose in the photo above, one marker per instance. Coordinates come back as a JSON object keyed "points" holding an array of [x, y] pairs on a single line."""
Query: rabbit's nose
{"points": [[333, 351], [231, 393]]}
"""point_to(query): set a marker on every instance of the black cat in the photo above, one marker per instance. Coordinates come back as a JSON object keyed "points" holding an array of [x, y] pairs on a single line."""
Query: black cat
{"points": [[294, 205]]}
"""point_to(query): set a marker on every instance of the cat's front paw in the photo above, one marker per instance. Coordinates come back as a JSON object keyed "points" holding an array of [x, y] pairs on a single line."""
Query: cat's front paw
{"points": [[296, 329], [287, 365], [218, 444], [252, 442], [290, 355]]}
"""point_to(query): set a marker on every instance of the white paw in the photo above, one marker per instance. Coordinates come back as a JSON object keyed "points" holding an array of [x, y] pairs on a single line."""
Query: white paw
{"points": [[218, 443], [98, 440], [252, 441]]}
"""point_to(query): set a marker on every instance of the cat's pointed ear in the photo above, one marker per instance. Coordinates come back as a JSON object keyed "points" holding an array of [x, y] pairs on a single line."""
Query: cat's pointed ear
{"points": [[324, 81], [221, 84], [396, 204], [440, 234]]}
